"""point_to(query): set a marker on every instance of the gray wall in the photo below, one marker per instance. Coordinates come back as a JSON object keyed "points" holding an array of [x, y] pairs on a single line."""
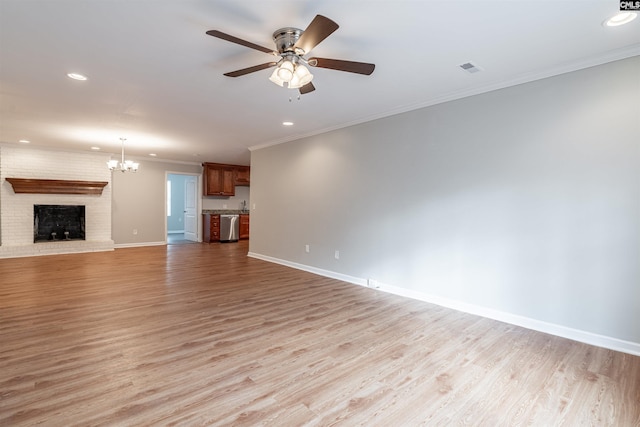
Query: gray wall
{"points": [[230, 202], [524, 200], [138, 202]]}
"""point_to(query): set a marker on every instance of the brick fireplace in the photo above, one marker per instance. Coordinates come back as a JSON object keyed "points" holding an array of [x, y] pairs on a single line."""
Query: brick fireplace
{"points": [[64, 223], [17, 209]]}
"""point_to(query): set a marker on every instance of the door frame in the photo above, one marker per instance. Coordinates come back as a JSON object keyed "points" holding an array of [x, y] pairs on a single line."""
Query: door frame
{"points": [[198, 202]]}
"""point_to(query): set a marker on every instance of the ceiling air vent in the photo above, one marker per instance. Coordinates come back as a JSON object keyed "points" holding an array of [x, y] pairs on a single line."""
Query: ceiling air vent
{"points": [[470, 67]]}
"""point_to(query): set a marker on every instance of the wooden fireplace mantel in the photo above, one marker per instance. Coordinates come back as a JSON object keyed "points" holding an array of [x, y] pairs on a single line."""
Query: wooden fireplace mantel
{"points": [[56, 186]]}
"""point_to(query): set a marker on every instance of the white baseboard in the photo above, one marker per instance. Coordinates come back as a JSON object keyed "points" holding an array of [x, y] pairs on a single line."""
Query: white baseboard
{"points": [[513, 319], [318, 271], [138, 245], [175, 232], [55, 248]]}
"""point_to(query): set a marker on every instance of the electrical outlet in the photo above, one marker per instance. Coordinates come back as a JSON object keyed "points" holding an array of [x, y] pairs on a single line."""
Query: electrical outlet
{"points": [[224, 206], [306, 248], [337, 255], [254, 206], [372, 283], [135, 231]]}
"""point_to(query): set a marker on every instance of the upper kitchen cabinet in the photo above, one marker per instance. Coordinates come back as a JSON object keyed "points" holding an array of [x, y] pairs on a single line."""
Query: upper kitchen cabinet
{"points": [[243, 175], [219, 179]]}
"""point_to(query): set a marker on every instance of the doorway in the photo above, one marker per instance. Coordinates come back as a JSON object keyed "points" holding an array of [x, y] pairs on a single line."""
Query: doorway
{"points": [[181, 208]]}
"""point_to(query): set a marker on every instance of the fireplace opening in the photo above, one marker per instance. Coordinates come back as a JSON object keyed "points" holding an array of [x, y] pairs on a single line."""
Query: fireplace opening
{"points": [[58, 223]]}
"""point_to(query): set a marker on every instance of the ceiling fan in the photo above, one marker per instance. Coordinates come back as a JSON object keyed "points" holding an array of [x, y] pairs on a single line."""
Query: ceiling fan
{"points": [[291, 46]]}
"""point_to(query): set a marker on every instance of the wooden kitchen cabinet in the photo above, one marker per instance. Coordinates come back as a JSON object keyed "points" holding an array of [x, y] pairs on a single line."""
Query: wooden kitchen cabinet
{"points": [[219, 179], [243, 233], [211, 228], [243, 174]]}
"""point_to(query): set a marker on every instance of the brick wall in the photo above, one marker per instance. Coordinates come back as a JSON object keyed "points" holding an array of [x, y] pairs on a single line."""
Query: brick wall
{"points": [[16, 210]]}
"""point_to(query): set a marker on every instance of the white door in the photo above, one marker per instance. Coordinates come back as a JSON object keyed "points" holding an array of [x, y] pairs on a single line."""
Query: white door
{"points": [[190, 208]]}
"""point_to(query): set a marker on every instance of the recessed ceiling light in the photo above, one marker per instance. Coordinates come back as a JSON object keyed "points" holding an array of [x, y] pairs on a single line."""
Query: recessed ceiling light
{"points": [[287, 123], [24, 141], [95, 148], [152, 154], [76, 76], [620, 18]]}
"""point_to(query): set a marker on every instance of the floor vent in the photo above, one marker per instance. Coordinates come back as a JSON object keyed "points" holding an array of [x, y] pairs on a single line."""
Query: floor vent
{"points": [[470, 67]]}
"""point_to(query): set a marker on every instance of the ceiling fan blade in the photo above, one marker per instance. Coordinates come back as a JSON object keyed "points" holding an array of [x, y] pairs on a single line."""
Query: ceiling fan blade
{"points": [[340, 65], [253, 69], [309, 87], [319, 29], [232, 39]]}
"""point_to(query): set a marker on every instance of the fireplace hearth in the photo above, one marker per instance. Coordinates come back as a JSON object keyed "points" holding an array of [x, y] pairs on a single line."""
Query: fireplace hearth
{"points": [[58, 223]]}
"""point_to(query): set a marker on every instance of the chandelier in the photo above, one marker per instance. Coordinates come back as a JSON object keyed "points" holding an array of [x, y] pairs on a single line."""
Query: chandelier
{"points": [[292, 72], [125, 165]]}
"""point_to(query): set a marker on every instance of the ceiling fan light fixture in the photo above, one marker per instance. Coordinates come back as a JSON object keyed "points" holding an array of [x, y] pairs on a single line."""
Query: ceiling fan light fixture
{"points": [[291, 44], [285, 71], [276, 79], [301, 77]]}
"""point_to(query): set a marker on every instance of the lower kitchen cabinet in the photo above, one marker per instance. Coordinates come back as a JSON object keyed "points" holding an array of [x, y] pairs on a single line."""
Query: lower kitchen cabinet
{"points": [[243, 233], [211, 228]]}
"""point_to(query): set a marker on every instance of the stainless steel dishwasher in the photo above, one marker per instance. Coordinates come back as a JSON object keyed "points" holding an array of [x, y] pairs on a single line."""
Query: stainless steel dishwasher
{"points": [[229, 228]]}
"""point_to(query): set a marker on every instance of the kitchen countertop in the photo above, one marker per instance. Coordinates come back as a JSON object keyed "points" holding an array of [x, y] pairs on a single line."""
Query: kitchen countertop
{"points": [[224, 212]]}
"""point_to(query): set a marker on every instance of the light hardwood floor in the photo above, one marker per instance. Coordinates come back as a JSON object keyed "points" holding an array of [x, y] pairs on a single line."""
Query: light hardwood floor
{"points": [[202, 335]]}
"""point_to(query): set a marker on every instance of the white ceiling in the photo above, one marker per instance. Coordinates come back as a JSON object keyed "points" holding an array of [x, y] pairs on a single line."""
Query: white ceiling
{"points": [[156, 78]]}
